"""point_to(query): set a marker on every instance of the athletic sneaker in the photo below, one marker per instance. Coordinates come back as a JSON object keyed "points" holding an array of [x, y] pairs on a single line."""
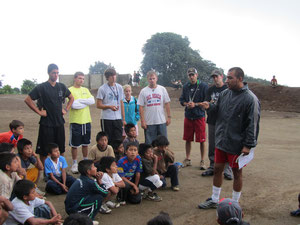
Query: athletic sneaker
{"points": [[295, 213], [208, 172], [228, 176], [187, 162], [175, 188], [95, 222], [208, 204], [122, 203], [112, 205], [202, 165], [74, 168], [153, 196], [37, 190], [104, 209]]}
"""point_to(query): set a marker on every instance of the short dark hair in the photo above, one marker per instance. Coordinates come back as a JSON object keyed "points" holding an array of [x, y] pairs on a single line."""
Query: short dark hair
{"points": [[51, 147], [162, 219], [15, 124], [238, 72], [51, 67], [22, 188], [78, 74], [22, 143], [128, 126], [161, 140], [78, 219], [131, 144], [5, 159], [6, 147], [84, 166], [109, 72], [105, 163], [143, 147], [100, 135], [115, 144]]}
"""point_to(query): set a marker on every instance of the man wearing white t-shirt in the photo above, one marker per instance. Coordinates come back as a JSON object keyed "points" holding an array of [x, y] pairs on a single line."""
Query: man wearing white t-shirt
{"points": [[152, 100], [109, 99]]}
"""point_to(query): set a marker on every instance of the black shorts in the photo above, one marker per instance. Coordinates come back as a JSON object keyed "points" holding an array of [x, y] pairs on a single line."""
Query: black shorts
{"points": [[113, 128], [50, 135], [80, 135]]}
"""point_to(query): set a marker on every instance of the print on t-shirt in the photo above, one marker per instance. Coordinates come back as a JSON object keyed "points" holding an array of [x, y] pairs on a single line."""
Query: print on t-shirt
{"points": [[153, 99]]}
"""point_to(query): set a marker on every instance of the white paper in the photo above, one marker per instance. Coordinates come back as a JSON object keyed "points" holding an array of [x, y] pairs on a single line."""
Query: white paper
{"points": [[242, 160]]}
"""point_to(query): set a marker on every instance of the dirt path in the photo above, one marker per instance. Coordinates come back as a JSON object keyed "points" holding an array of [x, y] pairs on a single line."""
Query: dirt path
{"points": [[271, 180]]}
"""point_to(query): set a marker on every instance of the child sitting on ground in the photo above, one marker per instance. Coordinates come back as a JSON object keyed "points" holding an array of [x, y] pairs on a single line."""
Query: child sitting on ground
{"points": [[296, 212], [9, 164], [129, 169], [130, 131], [28, 209], [5, 207], [101, 148], [112, 181], [118, 148], [149, 177], [14, 135], [165, 165], [28, 156], [55, 169], [87, 193]]}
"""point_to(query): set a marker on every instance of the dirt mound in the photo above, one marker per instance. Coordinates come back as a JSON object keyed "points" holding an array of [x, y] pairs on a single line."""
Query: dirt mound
{"points": [[286, 99]]}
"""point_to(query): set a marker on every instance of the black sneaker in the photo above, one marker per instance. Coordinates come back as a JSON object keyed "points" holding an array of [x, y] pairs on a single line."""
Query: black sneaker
{"points": [[208, 172], [208, 204], [228, 176]]}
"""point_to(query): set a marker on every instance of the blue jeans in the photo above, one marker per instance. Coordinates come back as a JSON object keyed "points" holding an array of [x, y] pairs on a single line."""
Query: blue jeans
{"points": [[153, 131], [55, 188], [172, 172]]}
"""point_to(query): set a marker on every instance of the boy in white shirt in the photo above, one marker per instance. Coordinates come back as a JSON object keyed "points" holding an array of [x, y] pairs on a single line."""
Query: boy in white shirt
{"points": [[29, 209], [111, 179]]}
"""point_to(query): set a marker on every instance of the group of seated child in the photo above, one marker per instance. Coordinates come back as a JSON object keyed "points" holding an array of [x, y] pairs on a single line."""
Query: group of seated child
{"points": [[109, 178]]}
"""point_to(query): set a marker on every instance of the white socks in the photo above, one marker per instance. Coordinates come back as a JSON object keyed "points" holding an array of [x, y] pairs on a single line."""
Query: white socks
{"points": [[236, 195], [216, 191], [74, 161]]}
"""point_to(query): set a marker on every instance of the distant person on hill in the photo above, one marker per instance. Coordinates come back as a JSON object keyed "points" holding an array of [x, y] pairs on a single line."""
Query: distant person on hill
{"points": [[274, 82], [236, 132], [193, 93], [137, 78], [50, 97], [110, 100], [80, 119], [152, 101]]}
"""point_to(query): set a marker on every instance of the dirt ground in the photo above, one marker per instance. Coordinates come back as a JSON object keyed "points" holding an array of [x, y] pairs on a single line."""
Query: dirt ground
{"points": [[271, 180]]}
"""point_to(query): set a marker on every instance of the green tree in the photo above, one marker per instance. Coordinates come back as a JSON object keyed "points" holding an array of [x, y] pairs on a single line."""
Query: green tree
{"points": [[16, 90], [28, 85], [170, 55], [7, 89], [99, 68]]}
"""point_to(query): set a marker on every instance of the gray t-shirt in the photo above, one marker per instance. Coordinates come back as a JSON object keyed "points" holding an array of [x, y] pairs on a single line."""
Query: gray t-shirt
{"points": [[111, 95]]}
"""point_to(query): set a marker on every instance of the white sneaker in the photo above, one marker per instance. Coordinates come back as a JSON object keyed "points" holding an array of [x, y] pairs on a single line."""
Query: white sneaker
{"points": [[74, 168], [104, 209], [95, 222], [112, 205], [37, 190]]}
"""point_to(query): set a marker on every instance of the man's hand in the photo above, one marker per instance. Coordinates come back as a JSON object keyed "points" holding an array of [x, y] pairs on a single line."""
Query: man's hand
{"points": [[245, 150], [135, 189], [124, 123], [204, 105], [190, 105], [43, 113], [168, 121], [114, 108], [143, 124], [99, 176], [64, 112], [64, 187], [56, 219]]}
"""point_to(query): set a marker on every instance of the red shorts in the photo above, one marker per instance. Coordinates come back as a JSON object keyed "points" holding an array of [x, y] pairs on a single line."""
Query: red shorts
{"points": [[194, 126], [224, 157]]}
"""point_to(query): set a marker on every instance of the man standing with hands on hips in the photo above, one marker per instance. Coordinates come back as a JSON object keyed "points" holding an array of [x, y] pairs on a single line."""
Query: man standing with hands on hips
{"points": [[236, 132]]}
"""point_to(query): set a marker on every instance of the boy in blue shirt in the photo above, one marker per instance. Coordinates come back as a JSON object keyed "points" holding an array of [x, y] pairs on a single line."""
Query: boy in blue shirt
{"points": [[129, 169], [55, 169], [86, 194]]}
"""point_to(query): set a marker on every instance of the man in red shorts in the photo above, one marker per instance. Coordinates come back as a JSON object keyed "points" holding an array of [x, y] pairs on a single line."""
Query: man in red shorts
{"points": [[193, 93], [237, 126]]}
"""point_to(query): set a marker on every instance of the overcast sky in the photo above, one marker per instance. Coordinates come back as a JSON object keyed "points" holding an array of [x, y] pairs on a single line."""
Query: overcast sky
{"points": [[260, 36]]}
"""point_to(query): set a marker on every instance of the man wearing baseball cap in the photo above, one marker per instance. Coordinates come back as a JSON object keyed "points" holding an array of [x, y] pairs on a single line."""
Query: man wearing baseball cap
{"points": [[229, 212], [193, 93], [212, 96]]}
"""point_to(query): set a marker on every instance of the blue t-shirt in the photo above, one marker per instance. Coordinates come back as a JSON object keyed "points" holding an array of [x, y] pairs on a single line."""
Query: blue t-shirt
{"points": [[26, 163], [55, 168], [129, 169]]}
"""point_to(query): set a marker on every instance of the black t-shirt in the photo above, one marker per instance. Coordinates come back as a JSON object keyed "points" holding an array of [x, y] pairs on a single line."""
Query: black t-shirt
{"points": [[51, 99], [212, 95]]}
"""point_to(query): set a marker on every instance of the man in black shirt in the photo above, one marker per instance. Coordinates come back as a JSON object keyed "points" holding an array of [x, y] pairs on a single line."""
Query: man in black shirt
{"points": [[212, 96], [50, 97]]}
